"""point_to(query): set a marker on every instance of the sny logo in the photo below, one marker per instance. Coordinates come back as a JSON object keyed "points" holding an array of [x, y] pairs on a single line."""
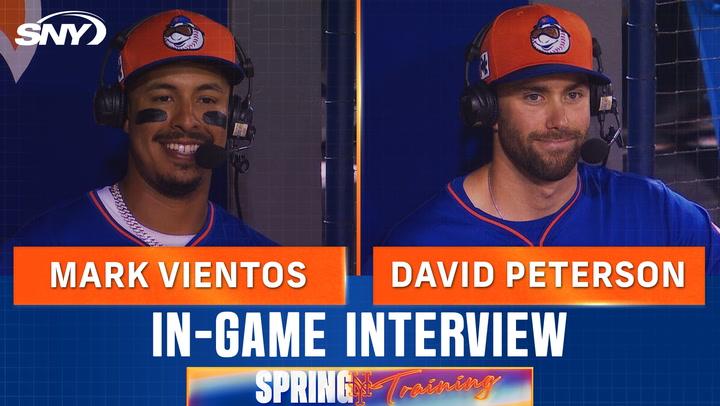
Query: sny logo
{"points": [[39, 32]]}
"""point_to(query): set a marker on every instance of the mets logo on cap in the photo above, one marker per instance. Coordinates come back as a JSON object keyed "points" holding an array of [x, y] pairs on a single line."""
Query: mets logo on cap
{"points": [[549, 37], [182, 35]]}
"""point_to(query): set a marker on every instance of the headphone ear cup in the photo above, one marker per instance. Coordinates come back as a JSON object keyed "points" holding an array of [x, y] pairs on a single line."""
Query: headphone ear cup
{"points": [[478, 106], [598, 94], [594, 99], [109, 106], [241, 117]]}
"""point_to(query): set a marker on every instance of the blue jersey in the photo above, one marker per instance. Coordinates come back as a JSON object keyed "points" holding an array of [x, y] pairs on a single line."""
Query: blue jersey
{"points": [[85, 222], [608, 208]]}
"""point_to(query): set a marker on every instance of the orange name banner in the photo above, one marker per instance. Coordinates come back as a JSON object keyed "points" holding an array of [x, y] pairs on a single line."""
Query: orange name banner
{"points": [[539, 275], [179, 275]]}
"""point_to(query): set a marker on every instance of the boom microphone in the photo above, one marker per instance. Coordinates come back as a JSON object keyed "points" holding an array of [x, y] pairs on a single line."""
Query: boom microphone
{"points": [[210, 156], [594, 151]]}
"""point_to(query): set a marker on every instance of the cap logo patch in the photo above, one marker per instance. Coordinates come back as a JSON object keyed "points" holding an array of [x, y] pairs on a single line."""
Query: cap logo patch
{"points": [[549, 37], [182, 35]]}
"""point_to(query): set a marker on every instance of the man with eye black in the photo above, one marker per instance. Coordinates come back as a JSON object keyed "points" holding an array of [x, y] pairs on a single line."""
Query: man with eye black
{"points": [[177, 70], [534, 96]]}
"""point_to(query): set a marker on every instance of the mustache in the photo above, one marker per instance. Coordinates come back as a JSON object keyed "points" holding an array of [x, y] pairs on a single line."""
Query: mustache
{"points": [[556, 135], [170, 136]]}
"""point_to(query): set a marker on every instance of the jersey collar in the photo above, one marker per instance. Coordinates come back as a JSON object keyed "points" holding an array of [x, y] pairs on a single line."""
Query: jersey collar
{"points": [[199, 237], [457, 192]]}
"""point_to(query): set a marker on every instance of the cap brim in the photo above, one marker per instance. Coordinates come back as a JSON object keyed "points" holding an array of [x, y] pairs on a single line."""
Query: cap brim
{"points": [[232, 72], [550, 69]]}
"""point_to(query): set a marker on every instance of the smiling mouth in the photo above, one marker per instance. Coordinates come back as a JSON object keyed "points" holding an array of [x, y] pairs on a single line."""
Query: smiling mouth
{"points": [[555, 139], [182, 149], [555, 143]]}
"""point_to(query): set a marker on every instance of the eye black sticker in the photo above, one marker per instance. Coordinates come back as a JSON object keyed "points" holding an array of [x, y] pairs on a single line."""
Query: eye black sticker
{"points": [[150, 116], [217, 118]]}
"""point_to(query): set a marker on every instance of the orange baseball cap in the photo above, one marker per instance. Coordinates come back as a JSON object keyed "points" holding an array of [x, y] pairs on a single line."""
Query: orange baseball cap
{"points": [[177, 35], [536, 40]]}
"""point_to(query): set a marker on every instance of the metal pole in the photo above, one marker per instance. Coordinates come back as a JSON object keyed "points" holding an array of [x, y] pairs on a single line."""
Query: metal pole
{"points": [[339, 215], [641, 86]]}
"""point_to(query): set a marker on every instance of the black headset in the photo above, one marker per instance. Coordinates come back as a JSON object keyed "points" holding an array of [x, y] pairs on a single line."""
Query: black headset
{"points": [[478, 102], [110, 103]]}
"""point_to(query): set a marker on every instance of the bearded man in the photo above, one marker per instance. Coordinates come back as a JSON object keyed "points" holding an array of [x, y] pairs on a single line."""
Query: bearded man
{"points": [[536, 68]]}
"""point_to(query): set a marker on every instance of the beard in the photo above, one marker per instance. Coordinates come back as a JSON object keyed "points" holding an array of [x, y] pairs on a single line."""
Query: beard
{"points": [[540, 165], [171, 185]]}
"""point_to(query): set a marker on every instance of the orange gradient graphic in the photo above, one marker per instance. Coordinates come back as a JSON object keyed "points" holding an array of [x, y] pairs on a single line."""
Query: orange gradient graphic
{"points": [[203, 275], [539, 275]]}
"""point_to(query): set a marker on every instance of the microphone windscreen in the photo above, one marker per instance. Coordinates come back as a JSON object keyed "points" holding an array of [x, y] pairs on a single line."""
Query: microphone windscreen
{"points": [[594, 151], [210, 156]]}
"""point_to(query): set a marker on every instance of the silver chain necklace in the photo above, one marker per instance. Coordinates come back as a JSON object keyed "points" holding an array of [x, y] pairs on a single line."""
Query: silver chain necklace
{"points": [[137, 229], [492, 197]]}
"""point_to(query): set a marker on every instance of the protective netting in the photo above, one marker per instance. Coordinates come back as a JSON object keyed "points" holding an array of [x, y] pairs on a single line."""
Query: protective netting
{"points": [[688, 100]]}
